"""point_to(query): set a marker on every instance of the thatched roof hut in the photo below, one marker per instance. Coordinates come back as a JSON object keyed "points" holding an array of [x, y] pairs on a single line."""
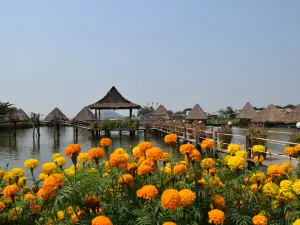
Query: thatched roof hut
{"points": [[20, 116], [160, 113], [56, 113], [271, 114], [113, 100], [294, 115], [247, 112], [197, 113], [85, 115]]}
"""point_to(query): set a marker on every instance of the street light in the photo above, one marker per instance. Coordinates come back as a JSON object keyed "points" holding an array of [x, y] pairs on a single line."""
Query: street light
{"points": [[298, 126], [229, 123]]}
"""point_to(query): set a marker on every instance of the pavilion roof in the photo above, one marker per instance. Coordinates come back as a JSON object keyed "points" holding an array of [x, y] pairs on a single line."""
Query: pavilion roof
{"points": [[197, 113], [247, 112], [56, 113]]}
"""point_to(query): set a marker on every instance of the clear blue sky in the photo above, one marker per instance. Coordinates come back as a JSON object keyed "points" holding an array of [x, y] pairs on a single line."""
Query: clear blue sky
{"points": [[178, 53]]}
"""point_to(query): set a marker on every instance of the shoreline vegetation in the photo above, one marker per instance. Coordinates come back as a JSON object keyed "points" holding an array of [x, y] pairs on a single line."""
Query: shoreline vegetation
{"points": [[145, 186]]}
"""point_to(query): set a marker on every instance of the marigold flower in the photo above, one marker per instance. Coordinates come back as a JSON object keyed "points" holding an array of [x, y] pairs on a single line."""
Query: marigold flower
{"points": [[22, 181], [275, 171], [131, 168], [233, 148], [60, 214], [207, 144], [155, 154], [11, 190], [258, 148], [145, 169], [257, 177], [286, 184], [73, 149], [35, 208], [31, 163], [260, 220], [296, 187], [137, 153], [285, 195], [225, 159], [29, 197], [101, 220], [187, 197], [186, 149], [180, 169], [105, 142], [74, 217], [144, 146], [166, 156], [147, 192], [42, 194], [126, 179], [118, 159], [216, 216], [49, 168], [2, 206], [60, 161], [70, 171], [297, 222], [215, 181], [83, 157], [92, 202], [169, 223], [52, 184], [290, 151], [297, 148], [2, 172], [218, 202], [170, 199], [17, 172], [96, 154], [270, 189], [208, 163], [236, 162], [195, 156], [170, 139], [56, 155], [242, 153]]}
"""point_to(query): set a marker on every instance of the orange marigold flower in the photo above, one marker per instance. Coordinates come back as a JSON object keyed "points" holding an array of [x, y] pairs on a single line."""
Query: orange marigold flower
{"points": [[170, 139], [52, 184], [2, 206], [275, 171], [155, 154], [180, 169], [297, 148], [260, 220], [73, 149], [96, 154], [195, 156], [166, 156], [207, 163], [144, 146], [207, 144], [29, 197], [11, 190], [216, 216], [42, 194], [170, 199], [105, 142], [186, 149], [147, 192], [74, 217], [290, 151], [169, 223], [145, 169], [101, 220], [137, 153], [218, 202], [83, 157], [126, 179], [118, 159], [187, 197], [131, 168], [35, 208]]}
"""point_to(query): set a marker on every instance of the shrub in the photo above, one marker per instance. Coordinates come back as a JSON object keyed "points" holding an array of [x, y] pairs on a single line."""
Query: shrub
{"points": [[295, 138], [225, 139], [253, 132]]}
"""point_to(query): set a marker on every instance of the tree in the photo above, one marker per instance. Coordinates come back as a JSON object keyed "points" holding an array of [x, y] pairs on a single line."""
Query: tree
{"points": [[187, 109], [228, 110], [6, 108], [170, 113], [147, 109]]}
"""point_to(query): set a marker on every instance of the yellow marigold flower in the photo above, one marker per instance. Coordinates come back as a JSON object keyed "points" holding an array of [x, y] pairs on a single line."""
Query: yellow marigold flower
{"points": [[60, 214], [22, 181], [126, 179], [42, 176], [287, 167], [218, 202], [83, 157], [49, 168], [105, 142], [78, 167], [170, 139], [31, 163], [258, 148], [195, 156], [286, 184], [60, 161], [296, 187], [275, 171], [225, 159], [96, 154], [257, 177], [17, 172], [216, 216], [170, 199], [137, 153], [242, 153], [290, 151], [297, 222], [92, 170], [260, 220], [101, 220], [215, 181], [169, 223], [11, 190], [233, 148], [73, 149], [56, 155], [207, 144], [2, 206], [236, 162], [180, 169], [208, 163], [167, 169], [270, 189], [29, 197], [186, 149], [285, 195], [147, 192], [144, 146], [187, 197], [2, 172], [155, 154], [70, 171]]}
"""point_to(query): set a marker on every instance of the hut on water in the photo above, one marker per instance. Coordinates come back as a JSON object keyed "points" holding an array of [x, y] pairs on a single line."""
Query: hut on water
{"points": [[271, 114], [20, 116], [85, 115], [294, 115], [197, 113], [247, 112], [161, 113], [56, 114]]}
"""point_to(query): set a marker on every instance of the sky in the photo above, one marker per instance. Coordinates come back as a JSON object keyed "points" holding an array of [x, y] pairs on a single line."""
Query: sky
{"points": [[68, 54]]}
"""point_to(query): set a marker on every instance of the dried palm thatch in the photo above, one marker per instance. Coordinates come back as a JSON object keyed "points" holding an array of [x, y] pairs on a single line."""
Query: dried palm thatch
{"points": [[197, 113], [161, 113], [56, 114], [271, 114], [20, 116], [247, 112], [85, 115], [114, 100], [294, 115]]}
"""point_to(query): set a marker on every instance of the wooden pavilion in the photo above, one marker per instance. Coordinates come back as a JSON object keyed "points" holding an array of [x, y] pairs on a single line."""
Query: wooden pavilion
{"points": [[20, 116], [271, 114], [85, 116], [161, 113], [247, 112], [294, 115], [197, 113], [111, 101]]}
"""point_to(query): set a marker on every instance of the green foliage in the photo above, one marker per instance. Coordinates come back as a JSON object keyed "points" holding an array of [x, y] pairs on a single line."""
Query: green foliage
{"points": [[295, 138], [225, 129], [6, 108], [228, 110], [253, 132]]}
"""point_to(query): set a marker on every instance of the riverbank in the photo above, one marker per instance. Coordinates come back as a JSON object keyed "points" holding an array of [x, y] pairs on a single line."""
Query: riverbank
{"points": [[20, 125]]}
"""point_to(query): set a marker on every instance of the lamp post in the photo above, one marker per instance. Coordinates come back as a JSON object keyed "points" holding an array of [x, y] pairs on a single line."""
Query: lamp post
{"points": [[298, 126], [229, 124]]}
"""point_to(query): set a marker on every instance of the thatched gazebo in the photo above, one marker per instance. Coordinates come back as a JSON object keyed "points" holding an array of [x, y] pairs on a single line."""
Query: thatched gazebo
{"points": [[271, 114], [197, 113], [161, 113], [247, 112], [294, 115], [113, 100], [85, 115], [57, 115], [20, 116]]}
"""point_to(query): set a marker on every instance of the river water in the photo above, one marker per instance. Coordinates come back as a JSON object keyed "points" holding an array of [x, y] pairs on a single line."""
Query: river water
{"points": [[16, 150]]}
